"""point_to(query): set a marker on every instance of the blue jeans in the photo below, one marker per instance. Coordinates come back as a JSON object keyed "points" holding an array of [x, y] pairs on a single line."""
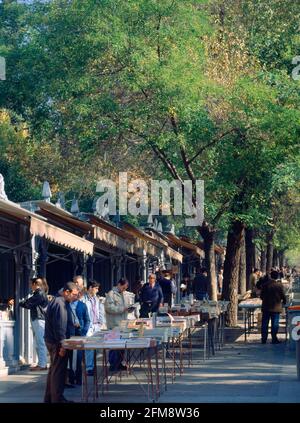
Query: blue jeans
{"points": [[267, 315], [89, 360], [38, 329]]}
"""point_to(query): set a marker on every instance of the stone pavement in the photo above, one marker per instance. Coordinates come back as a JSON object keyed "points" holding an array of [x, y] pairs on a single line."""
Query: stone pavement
{"points": [[239, 373]]}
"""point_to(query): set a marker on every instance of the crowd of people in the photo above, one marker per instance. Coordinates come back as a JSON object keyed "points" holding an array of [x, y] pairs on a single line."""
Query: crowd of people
{"points": [[78, 310]]}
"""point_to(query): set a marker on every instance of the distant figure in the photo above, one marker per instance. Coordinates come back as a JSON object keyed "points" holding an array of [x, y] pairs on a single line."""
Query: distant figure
{"points": [[186, 287], [167, 286], [201, 285], [137, 289], [78, 279], [273, 297], [253, 278]]}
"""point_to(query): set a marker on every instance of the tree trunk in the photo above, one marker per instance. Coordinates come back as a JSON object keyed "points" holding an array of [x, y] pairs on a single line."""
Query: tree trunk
{"points": [[275, 258], [231, 270], [263, 260], [270, 249], [250, 255], [208, 235], [242, 271]]}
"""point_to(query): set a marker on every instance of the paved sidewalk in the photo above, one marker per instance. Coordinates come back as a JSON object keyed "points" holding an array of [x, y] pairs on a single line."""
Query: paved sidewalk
{"points": [[240, 373]]}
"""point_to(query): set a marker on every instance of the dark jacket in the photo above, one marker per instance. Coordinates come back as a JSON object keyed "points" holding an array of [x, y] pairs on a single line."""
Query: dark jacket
{"points": [[59, 322], [168, 289], [272, 296], [150, 298], [200, 286], [37, 304], [83, 317]]}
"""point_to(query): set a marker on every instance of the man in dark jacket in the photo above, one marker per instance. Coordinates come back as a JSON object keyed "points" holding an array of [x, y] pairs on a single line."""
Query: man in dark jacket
{"points": [[59, 326], [201, 285], [167, 287], [272, 296], [37, 304], [151, 296]]}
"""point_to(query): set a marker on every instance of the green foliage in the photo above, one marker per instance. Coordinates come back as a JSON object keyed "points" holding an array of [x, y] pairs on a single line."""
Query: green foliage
{"points": [[104, 86]]}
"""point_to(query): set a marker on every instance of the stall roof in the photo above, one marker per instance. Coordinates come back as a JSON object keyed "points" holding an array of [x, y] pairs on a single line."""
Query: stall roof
{"points": [[218, 248], [143, 240], [39, 226], [173, 254], [14, 210], [156, 239], [49, 210], [60, 236], [110, 228], [111, 239], [169, 251], [186, 244], [111, 235], [142, 234]]}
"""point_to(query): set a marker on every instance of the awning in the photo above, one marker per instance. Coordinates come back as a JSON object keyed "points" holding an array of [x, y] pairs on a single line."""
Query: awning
{"points": [[152, 246], [111, 239], [16, 211], [189, 245], [60, 236], [173, 254]]}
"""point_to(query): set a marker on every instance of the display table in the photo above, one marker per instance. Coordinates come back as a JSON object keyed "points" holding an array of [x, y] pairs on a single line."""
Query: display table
{"points": [[138, 351], [145, 348], [249, 306]]}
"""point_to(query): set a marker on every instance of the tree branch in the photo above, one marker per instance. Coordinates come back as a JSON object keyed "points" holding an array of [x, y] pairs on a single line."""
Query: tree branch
{"points": [[185, 160], [161, 154], [214, 141], [167, 162], [221, 211]]}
